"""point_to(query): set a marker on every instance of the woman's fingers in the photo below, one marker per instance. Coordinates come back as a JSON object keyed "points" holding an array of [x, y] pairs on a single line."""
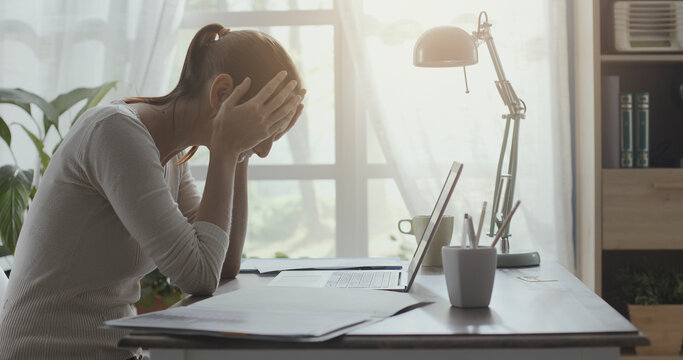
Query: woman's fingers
{"points": [[297, 113], [280, 98], [295, 117], [268, 89], [278, 126], [239, 91], [284, 110], [284, 126]]}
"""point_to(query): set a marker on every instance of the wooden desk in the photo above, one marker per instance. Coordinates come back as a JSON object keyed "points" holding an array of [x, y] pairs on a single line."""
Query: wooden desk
{"points": [[559, 320]]}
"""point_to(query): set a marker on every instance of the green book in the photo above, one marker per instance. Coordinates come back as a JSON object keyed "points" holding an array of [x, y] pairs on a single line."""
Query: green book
{"points": [[641, 130], [626, 130]]}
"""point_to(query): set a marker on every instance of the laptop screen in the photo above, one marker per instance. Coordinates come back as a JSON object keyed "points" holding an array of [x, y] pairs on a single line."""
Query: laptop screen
{"points": [[434, 220]]}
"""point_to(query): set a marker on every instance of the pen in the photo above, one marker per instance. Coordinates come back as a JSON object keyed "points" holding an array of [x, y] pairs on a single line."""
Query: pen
{"points": [[481, 222], [470, 231], [505, 224]]}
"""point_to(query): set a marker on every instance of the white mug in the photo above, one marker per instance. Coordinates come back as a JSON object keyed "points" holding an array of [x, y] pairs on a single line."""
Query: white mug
{"points": [[418, 224]]}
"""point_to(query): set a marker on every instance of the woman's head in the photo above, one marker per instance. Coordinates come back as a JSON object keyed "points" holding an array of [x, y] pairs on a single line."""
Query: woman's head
{"points": [[214, 51]]}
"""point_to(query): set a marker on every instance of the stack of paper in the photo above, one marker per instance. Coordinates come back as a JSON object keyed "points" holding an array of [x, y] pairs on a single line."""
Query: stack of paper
{"points": [[285, 313], [276, 264]]}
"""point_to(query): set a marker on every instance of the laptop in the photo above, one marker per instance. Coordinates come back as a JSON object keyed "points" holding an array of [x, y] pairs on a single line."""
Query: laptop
{"points": [[396, 280]]}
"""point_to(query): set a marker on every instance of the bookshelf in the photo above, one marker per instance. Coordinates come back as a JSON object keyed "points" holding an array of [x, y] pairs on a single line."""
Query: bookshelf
{"points": [[625, 216], [641, 58], [625, 209]]}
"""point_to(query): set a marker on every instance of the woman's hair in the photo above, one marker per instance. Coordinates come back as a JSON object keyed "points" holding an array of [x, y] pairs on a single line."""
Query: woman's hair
{"points": [[214, 51]]}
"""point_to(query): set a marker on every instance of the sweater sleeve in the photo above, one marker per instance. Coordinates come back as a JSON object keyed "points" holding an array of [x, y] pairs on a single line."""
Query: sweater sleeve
{"points": [[122, 162], [189, 197]]}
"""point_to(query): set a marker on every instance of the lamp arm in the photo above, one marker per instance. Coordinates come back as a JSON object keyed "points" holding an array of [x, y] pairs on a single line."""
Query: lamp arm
{"points": [[505, 181], [505, 89]]}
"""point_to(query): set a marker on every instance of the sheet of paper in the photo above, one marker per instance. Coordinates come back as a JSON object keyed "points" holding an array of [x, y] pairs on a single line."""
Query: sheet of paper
{"points": [[298, 314], [197, 319], [273, 265], [312, 300]]}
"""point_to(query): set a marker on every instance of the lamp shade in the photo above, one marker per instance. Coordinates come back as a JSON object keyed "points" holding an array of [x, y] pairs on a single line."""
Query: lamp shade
{"points": [[445, 46]]}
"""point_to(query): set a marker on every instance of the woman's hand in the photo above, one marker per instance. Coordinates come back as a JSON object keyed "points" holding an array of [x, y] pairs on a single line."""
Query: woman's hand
{"points": [[238, 128], [286, 125], [293, 118]]}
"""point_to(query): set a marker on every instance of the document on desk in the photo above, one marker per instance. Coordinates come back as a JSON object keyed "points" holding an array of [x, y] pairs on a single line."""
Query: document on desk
{"points": [[276, 313], [264, 266]]}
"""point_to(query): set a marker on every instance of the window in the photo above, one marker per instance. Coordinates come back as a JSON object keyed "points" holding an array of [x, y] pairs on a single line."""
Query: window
{"points": [[347, 183]]}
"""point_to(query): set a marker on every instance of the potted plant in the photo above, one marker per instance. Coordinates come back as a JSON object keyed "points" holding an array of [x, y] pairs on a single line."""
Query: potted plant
{"points": [[156, 293], [18, 186], [654, 295]]}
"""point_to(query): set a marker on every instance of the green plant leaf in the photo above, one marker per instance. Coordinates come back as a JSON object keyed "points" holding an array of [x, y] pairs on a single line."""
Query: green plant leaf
{"points": [[172, 297], [54, 150], [146, 297], [15, 186], [5, 134], [94, 98], [45, 161], [648, 284], [65, 101], [154, 285], [44, 157], [4, 251], [25, 106], [281, 255], [24, 99]]}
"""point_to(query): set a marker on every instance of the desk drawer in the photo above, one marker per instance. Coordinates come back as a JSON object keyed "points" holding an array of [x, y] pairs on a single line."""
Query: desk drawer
{"points": [[642, 209]]}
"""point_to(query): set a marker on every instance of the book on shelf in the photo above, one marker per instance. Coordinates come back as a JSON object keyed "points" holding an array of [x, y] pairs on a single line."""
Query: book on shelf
{"points": [[641, 130], [610, 122], [626, 130]]}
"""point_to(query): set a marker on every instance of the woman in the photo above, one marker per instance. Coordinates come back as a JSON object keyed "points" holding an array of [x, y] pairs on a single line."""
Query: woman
{"points": [[118, 200]]}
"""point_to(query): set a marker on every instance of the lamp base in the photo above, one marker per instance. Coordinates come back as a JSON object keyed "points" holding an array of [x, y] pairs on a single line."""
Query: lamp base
{"points": [[519, 258]]}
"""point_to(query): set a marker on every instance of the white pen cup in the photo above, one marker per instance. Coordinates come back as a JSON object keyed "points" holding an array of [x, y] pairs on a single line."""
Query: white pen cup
{"points": [[469, 275]]}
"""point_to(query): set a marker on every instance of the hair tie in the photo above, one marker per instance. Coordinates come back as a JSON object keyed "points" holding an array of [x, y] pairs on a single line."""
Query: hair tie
{"points": [[222, 32]]}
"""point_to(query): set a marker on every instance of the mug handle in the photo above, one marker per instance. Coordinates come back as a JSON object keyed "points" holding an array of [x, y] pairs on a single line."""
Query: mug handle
{"points": [[409, 221]]}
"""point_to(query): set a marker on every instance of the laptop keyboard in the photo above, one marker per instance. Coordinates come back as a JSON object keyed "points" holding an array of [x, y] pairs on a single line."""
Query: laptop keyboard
{"points": [[363, 279]]}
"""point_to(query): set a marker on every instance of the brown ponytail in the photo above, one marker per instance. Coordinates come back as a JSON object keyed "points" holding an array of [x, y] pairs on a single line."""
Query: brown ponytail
{"points": [[214, 50]]}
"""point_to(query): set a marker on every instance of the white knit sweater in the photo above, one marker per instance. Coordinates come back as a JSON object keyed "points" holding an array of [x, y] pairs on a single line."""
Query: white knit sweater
{"points": [[105, 214]]}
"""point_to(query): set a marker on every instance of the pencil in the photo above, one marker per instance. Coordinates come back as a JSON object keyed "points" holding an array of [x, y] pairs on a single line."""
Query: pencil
{"points": [[481, 222], [505, 224]]}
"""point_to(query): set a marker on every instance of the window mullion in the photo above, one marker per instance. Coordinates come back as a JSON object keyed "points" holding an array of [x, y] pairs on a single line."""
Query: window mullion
{"points": [[351, 177]]}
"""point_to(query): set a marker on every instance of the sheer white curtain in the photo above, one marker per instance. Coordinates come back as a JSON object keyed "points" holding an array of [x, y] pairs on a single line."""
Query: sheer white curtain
{"points": [[423, 119], [50, 47]]}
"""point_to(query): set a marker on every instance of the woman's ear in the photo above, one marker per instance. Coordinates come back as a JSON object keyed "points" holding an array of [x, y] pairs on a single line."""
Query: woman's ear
{"points": [[221, 88]]}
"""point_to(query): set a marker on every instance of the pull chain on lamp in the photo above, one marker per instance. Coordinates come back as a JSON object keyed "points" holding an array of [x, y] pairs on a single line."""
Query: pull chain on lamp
{"points": [[450, 46]]}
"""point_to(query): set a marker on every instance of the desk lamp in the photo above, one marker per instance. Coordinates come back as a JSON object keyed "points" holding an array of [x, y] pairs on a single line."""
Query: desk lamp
{"points": [[450, 46]]}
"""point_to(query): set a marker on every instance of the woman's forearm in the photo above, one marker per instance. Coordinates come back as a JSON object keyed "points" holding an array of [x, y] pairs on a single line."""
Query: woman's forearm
{"points": [[238, 228], [216, 203]]}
